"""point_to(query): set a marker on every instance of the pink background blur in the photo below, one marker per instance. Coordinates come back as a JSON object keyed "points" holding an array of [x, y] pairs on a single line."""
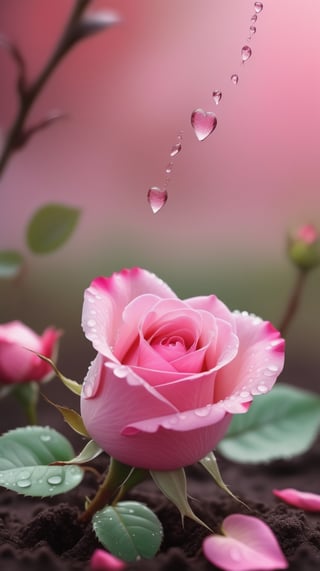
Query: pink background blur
{"points": [[128, 92]]}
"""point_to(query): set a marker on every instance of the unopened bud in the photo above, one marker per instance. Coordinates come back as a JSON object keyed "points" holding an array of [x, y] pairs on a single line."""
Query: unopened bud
{"points": [[304, 247]]}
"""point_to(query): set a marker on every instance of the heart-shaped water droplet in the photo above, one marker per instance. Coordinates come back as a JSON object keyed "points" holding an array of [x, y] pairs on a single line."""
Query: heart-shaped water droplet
{"points": [[157, 198], [234, 78], [258, 6], [217, 96], [203, 122], [246, 53]]}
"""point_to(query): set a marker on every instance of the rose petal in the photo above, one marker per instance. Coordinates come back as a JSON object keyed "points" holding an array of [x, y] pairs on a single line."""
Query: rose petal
{"points": [[106, 298], [258, 363], [103, 561], [303, 500], [248, 545]]}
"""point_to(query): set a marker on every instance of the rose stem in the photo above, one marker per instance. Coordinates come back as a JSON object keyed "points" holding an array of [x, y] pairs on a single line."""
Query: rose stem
{"points": [[116, 475], [28, 95], [293, 302]]}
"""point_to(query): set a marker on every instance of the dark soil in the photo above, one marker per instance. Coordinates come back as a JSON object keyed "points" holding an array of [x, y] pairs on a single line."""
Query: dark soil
{"points": [[45, 535]]}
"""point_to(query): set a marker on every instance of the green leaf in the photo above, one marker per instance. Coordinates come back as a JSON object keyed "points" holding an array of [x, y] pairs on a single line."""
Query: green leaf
{"points": [[50, 227], [25, 455], [280, 424], [11, 263], [173, 485], [129, 530]]}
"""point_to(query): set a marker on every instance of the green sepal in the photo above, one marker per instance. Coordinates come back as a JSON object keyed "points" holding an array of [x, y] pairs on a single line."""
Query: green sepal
{"points": [[209, 462], [73, 386], [173, 484], [90, 451], [72, 418]]}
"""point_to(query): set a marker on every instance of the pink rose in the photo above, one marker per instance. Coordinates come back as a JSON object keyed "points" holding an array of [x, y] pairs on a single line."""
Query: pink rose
{"points": [[169, 373], [17, 363]]}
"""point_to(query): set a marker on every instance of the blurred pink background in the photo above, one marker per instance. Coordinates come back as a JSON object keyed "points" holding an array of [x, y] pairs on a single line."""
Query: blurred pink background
{"points": [[128, 92]]}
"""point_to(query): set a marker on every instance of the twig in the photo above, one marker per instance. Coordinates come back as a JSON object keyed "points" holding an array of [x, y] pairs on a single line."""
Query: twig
{"points": [[294, 301], [28, 94]]}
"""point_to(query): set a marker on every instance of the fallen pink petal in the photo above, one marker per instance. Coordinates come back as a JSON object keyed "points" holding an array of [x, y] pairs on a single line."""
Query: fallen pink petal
{"points": [[248, 544], [303, 500], [101, 560]]}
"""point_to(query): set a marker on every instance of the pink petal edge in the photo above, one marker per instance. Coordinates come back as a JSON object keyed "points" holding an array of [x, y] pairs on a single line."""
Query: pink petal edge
{"points": [[101, 560], [248, 545], [303, 500]]}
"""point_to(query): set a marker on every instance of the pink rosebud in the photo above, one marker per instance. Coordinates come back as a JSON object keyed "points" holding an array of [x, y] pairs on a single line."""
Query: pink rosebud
{"points": [[103, 561], [303, 500], [169, 373], [248, 544], [18, 345], [304, 247]]}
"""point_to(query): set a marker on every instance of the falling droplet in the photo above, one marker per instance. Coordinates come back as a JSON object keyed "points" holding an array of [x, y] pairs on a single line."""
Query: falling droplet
{"points": [[169, 168], [253, 30], [234, 78], [246, 53], [217, 95], [254, 18], [175, 150], [203, 122], [54, 480], [157, 198], [258, 6]]}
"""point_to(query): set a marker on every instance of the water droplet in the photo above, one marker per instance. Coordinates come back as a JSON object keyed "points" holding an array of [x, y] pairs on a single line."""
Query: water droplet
{"points": [[203, 122], [244, 394], [217, 95], [254, 18], [204, 411], [234, 78], [45, 437], [175, 150], [25, 483], [24, 475], [258, 6], [253, 30], [246, 53], [157, 198], [91, 322], [169, 168], [54, 480]]}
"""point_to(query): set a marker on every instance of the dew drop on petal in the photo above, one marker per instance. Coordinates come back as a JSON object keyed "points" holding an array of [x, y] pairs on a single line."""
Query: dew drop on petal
{"points": [[54, 480], [175, 150], [157, 198], [246, 53], [234, 78], [217, 95], [258, 6], [203, 123]]}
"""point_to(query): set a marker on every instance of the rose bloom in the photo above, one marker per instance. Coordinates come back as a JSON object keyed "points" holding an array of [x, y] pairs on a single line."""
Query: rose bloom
{"points": [[169, 373], [17, 363]]}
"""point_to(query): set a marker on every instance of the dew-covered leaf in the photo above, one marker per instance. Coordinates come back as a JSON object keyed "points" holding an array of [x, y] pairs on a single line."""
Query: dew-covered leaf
{"points": [[280, 424], [11, 263], [50, 227], [129, 530], [25, 455]]}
